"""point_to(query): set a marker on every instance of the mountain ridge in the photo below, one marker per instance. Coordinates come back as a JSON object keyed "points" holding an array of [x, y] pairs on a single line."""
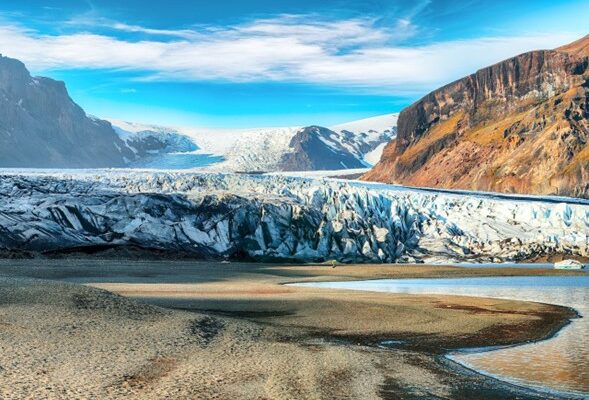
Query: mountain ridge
{"points": [[343, 146], [520, 125], [41, 126]]}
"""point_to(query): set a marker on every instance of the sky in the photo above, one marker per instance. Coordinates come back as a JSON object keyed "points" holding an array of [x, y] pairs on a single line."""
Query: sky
{"points": [[254, 63]]}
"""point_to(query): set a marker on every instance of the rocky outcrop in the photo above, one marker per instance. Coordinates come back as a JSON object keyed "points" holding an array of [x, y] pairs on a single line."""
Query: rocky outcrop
{"points": [[278, 218], [521, 126], [40, 126], [316, 148], [149, 144]]}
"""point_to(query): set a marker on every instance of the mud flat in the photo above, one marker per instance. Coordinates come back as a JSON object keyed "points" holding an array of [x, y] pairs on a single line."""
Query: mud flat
{"points": [[205, 330], [559, 364]]}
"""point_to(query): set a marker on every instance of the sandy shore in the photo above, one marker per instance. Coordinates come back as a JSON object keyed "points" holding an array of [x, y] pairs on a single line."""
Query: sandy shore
{"points": [[232, 331]]}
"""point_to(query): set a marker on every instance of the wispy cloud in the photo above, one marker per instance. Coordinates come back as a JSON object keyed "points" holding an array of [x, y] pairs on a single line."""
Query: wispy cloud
{"points": [[347, 53], [90, 20], [165, 32]]}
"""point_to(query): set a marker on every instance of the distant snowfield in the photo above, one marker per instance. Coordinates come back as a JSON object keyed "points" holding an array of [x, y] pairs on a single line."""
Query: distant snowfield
{"points": [[337, 173], [252, 149], [375, 124], [373, 157]]}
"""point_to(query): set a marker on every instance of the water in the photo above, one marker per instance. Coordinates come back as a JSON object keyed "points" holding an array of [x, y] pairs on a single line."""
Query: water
{"points": [[185, 160], [560, 363]]}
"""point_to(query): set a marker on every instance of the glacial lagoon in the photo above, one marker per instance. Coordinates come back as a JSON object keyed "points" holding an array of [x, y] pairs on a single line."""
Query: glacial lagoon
{"points": [[560, 363]]}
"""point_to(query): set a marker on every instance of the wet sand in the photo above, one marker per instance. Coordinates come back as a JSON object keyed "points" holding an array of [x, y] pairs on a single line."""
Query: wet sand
{"points": [[236, 331]]}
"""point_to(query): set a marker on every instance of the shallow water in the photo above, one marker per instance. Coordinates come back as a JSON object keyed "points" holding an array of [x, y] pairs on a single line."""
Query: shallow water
{"points": [[560, 363], [185, 160]]}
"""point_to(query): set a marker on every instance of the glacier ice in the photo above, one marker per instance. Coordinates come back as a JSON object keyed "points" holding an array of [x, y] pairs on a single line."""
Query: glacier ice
{"points": [[274, 217]]}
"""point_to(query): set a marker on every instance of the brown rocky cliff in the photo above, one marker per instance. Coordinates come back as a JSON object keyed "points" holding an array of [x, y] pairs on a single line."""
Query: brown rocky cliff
{"points": [[579, 48], [520, 125]]}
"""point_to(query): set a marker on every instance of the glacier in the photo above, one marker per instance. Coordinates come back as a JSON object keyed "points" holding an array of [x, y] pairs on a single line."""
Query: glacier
{"points": [[279, 218], [250, 149]]}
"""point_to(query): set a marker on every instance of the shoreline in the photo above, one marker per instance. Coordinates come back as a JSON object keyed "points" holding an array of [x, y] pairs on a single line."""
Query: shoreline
{"points": [[450, 354], [315, 323], [532, 389], [525, 388], [113, 252]]}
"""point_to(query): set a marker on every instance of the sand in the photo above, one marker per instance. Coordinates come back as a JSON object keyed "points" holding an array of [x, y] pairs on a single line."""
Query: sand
{"points": [[235, 331]]}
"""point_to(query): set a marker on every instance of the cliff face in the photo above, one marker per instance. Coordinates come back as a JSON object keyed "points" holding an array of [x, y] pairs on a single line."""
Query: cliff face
{"points": [[521, 125], [314, 148], [40, 126]]}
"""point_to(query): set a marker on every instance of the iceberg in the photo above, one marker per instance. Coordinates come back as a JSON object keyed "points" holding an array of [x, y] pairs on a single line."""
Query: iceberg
{"points": [[569, 264]]}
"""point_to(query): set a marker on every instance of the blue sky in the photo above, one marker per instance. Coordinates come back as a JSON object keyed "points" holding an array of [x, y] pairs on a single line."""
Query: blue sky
{"points": [[254, 63]]}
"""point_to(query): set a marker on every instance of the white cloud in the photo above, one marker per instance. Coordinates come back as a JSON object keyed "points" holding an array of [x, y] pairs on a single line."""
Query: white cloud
{"points": [[140, 29], [346, 53]]}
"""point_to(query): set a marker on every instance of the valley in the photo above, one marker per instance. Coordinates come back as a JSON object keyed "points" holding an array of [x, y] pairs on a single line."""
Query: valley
{"points": [[294, 200]]}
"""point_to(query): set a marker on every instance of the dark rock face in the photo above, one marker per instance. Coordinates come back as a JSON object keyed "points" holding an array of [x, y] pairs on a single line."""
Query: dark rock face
{"points": [[315, 149], [149, 143], [40, 126], [517, 126], [503, 84]]}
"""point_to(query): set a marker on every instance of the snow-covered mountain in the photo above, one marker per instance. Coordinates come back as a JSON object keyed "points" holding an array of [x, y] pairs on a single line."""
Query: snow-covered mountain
{"points": [[377, 131], [280, 218], [42, 127], [353, 145], [373, 127]]}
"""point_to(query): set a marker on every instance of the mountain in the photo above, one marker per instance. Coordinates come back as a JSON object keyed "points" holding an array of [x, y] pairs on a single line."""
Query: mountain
{"points": [[40, 126], [520, 126], [346, 146], [376, 132], [317, 148]]}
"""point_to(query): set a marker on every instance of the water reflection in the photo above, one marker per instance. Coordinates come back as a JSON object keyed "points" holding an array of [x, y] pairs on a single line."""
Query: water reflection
{"points": [[560, 363]]}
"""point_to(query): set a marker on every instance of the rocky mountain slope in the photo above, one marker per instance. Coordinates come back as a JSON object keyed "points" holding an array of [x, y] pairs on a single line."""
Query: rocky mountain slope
{"points": [[279, 218], [346, 146], [40, 126], [519, 126]]}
